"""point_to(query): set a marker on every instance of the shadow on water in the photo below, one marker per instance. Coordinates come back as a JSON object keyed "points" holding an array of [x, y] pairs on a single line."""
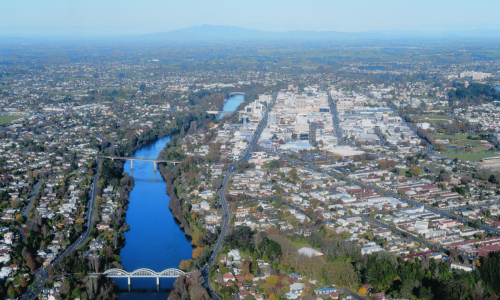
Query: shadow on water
{"points": [[147, 289]]}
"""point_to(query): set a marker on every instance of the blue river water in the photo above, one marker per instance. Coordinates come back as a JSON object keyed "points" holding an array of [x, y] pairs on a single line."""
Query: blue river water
{"points": [[232, 103], [155, 241]]}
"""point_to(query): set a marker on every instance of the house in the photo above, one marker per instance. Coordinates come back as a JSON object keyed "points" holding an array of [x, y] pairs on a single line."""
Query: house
{"points": [[295, 290], [104, 226], [465, 267], [235, 254], [371, 249], [448, 224], [204, 205], [325, 291], [228, 277]]}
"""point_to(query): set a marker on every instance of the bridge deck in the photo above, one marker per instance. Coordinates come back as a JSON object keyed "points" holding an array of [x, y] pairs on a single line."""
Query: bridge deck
{"points": [[142, 273], [220, 112], [141, 159]]}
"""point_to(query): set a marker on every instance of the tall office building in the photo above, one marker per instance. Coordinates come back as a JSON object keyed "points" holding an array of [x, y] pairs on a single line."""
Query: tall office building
{"points": [[300, 102]]}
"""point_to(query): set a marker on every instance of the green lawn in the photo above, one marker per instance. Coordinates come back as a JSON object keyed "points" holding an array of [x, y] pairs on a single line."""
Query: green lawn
{"points": [[453, 137], [471, 157], [7, 119], [433, 119], [300, 245], [461, 142]]}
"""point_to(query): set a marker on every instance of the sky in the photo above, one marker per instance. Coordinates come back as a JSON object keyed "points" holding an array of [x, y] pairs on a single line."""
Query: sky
{"points": [[130, 17]]}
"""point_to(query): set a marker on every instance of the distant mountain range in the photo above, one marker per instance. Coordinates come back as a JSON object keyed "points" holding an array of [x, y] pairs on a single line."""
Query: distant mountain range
{"points": [[213, 33], [234, 33]]}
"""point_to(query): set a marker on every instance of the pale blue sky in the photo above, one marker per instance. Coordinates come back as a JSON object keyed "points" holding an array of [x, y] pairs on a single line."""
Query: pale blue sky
{"points": [[146, 16]]}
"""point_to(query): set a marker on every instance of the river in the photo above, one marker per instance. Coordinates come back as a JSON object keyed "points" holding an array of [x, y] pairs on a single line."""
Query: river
{"points": [[232, 103], [155, 241]]}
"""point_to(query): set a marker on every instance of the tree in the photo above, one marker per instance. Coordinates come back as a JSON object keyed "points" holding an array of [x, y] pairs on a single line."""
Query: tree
{"points": [[270, 248], [415, 171], [273, 279], [11, 291], [197, 251], [22, 282], [185, 265], [64, 289], [196, 238], [77, 293], [362, 290]]}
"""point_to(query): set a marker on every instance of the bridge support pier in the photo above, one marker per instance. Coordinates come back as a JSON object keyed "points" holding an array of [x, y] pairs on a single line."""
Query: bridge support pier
{"points": [[158, 282], [129, 282]]}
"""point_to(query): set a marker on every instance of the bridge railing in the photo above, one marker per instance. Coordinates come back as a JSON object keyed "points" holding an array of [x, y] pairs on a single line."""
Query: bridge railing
{"points": [[143, 272]]}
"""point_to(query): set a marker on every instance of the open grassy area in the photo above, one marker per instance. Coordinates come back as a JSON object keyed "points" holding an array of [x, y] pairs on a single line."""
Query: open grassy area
{"points": [[470, 157], [7, 119], [453, 137], [304, 244], [433, 119], [460, 142]]}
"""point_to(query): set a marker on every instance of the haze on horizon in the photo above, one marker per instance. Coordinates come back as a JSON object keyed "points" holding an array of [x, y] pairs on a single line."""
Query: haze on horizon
{"points": [[131, 17]]}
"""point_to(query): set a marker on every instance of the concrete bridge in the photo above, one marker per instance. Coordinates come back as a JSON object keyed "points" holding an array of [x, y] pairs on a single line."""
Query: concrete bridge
{"points": [[155, 161], [142, 273], [218, 113]]}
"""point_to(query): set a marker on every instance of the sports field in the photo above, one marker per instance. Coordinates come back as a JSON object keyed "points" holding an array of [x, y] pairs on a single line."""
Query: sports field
{"points": [[7, 119], [470, 157]]}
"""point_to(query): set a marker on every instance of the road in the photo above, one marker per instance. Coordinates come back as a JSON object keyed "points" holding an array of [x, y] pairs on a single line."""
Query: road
{"points": [[222, 197], [21, 233], [430, 148], [336, 121], [404, 233], [351, 293], [32, 199], [43, 275]]}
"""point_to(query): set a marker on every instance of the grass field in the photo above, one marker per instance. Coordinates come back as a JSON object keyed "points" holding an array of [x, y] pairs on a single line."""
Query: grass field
{"points": [[433, 119], [304, 244], [453, 137], [7, 119], [470, 157], [461, 142]]}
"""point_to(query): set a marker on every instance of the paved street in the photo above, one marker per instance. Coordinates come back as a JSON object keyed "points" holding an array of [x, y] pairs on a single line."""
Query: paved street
{"points": [[32, 198]]}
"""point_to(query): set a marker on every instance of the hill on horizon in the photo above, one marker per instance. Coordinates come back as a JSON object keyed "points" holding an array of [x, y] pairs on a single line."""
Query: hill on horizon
{"points": [[235, 33]]}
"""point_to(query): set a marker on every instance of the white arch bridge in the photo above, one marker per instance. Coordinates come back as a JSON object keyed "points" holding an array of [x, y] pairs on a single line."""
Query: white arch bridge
{"points": [[144, 273]]}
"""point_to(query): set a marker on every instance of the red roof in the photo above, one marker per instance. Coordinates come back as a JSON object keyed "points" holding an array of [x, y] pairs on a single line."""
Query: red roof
{"points": [[429, 187], [485, 250]]}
